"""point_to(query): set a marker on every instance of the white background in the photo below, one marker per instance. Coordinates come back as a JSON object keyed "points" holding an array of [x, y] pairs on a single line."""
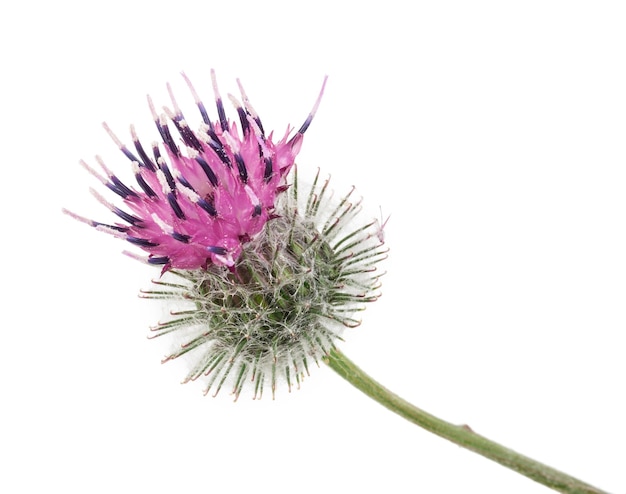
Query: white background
{"points": [[494, 133]]}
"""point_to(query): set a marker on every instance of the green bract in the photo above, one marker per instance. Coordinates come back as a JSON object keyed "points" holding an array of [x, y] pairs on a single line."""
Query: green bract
{"points": [[287, 299]]}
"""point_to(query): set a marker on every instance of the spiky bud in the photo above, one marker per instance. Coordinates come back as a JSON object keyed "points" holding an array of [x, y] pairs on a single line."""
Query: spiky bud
{"points": [[291, 292]]}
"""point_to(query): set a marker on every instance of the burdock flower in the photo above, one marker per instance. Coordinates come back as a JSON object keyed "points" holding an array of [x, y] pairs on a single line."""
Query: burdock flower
{"points": [[270, 273], [202, 196], [263, 272]]}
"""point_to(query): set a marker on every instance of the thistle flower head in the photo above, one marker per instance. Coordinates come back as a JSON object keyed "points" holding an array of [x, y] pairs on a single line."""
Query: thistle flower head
{"points": [[267, 274], [201, 197], [283, 306]]}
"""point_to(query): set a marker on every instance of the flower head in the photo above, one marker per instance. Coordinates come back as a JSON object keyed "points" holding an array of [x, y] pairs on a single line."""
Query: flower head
{"points": [[211, 190], [268, 276]]}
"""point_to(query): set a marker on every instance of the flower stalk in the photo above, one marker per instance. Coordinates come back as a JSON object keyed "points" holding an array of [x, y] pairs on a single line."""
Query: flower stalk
{"points": [[462, 435]]}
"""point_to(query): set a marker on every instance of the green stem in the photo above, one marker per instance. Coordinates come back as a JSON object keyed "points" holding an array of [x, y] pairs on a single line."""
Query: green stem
{"points": [[458, 434]]}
